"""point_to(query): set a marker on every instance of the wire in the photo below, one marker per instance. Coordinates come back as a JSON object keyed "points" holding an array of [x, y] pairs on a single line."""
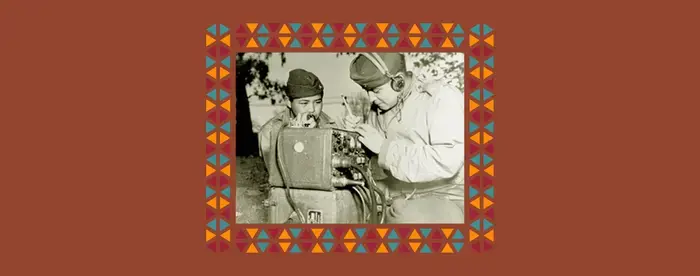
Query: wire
{"points": [[372, 189], [362, 202], [285, 176]]}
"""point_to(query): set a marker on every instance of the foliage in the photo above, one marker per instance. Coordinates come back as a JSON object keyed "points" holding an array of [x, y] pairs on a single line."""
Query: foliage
{"points": [[253, 70]]}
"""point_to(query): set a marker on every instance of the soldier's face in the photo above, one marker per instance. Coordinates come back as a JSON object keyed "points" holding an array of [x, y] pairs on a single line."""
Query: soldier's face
{"points": [[384, 97], [312, 105]]}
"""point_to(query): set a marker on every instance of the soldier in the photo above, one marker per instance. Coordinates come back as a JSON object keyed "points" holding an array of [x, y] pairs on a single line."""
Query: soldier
{"points": [[417, 129]]}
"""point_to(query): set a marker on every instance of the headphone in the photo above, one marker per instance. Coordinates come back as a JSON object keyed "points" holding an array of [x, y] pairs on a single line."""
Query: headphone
{"points": [[398, 82]]}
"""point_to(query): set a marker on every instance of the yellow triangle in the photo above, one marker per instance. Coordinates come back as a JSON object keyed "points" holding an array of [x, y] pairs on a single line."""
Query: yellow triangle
{"points": [[472, 105], [317, 249], [252, 26], [210, 235], [473, 170], [489, 40], [414, 30], [382, 26], [226, 170], [489, 235], [226, 235], [252, 44], [350, 246], [350, 30], [285, 30], [473, 235], [447, 27], [226, 40], [447, 232], [284, 246], [349, 40], [414, 245], [476, 72], [489, 105], [252, 249], [382, 232], [317, 44], [212, 203], [487, 72], [285, 40], [489, 170], [476, 203], [487, 138], [226, 105], [212, 73], [222, 138], [473, 40], [414, 235], [448, 43], [284, 235], [210, 170], [317, 26], [382, 249], [223, 203], [212, 138], [252, 232], [487, 203], [317, 232], [447, 249], [414, 40], [210, 40], [210, 105], [350, 235], [223, 72], [382, 43], [476, 137]]}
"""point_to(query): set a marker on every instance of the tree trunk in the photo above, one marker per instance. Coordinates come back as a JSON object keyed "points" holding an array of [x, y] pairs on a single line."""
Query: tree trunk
{"points": [[246, 140]]}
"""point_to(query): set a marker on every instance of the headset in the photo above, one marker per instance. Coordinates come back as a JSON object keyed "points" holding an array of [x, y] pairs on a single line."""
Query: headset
{"points": [[398, 82]]}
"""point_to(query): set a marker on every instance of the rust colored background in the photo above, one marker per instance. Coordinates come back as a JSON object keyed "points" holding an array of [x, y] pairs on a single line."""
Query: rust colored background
{"points": [[102, 117]]}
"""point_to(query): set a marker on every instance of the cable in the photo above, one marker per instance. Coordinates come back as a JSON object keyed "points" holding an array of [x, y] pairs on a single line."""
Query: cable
{"points": [[373, 199], [285, 176], [362, 202]]}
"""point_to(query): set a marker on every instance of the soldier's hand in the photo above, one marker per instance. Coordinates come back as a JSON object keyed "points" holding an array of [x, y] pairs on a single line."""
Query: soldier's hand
{"points": [[371, 137], [303, 120]]}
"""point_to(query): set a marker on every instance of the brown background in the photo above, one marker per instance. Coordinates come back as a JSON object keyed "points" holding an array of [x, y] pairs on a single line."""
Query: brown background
{"points": [[101, 105]]}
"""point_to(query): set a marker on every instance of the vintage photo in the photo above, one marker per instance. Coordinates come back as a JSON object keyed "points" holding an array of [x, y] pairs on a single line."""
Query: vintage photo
{"points": [[352, 138]]}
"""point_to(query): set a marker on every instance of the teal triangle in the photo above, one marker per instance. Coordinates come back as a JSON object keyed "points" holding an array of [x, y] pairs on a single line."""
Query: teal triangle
{"points": [[212, 94], [328, 40], [328, 29], [393, 246], [487, 225], [487, 159], [223, 159], [487, 29], [360, 231], [227, 62], [295, 44], [393, 40], [328, 235], [458, 246], [472, 62], [263, 30], [295, 27], [425, 44], [212, 29], [263, 235], [473, 126], [210, 127], [295, 249], [223, 29], [425, 232], [226, 127], [476, 29], [489, 62], [212, 224], [425, 249], [476, 159], [393, 30], [425, 27], [472, 192], [226, 192], [458, 235], [458, 30], [487, 94], [212, 159], [360, 43], [489, 127], [476, 225], [489, 192], [210, 62], [360, 249], [393, 235], [295, 231], [263, 40], [458, 40], [327, 246], [360, 27], [476, 94], [223, 95], [262, 245], [223, 224], [210, 192]]}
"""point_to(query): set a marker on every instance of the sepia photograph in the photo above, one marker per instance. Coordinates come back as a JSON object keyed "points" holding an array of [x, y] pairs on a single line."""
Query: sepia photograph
{"points": [[350, 138]]}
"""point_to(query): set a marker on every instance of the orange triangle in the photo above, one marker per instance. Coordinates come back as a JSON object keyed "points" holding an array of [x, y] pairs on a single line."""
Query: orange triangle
{"points": [[382, 232], [284, 246], [473, 235], [212, 203], [317, 26], [317, 232], [476, 72], [382, 26], [448, 43], [414, 245], [210, 105], [210, 235], [285, 30], [473, 40], [447, 232], [317, 44], [317, 249], [473, 170], [252, 249], [210, 170], [350, 246], [414, 40], [223, 73], [476, 203], [489, 170], [210, 40], [252, 232], [212, 73], [285, 235], [349, 40], [447, 27], [285, 40], [476, 137], [414, 235], [226, 40], [447, 249], [382, 249], [223, 203], [252, 44], [226, 170], [350, 235], [414, 30], [226, 235], [252, 26], [227, 105], [487, 72], [489, 235], [489, 40], [487, 203], [487, 138], [382, 43], [350, 30], [222, 138], [472, 105], [212, 138]]}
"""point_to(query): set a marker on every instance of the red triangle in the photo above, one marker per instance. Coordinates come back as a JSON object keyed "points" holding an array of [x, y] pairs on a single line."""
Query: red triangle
{"points": [[476, 51], [437, 41], [473, 213], [403, 27], [274, 248], [371, 247], [489, 149], [437, 235], [338, 27], [490, 213], [339, 42], [372, 29], [212, 246], [306, 29], [242, 29], [473, 149], [241, 234], [211, 181], [210, 214], [489, 84], [223, 246], [273, 43], [338, 232], [224, 51], [223, 180], [405, 43], [372, 41], [274, 27], [210, 148], [212, 52], [242, 41], [488, 181], [404, 232], [476, 247], [436, 246], [339, 248], [306, 246], [227, 213], [223, 115], [306, 41], [227, 83], [212, 116], [273, 232], [476, 116], [242, 246], [403, 248], [473, 83], [226, 149], [210, 84], [475, 181], [372, 234], [436, 29], [487, 116], [487, 51]]}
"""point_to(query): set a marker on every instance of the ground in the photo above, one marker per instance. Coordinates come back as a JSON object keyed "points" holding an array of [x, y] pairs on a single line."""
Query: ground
{"points": [[250, 175]]}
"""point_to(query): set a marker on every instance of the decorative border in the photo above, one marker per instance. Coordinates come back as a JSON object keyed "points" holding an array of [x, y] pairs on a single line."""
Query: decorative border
{"points": [[479, 230]]}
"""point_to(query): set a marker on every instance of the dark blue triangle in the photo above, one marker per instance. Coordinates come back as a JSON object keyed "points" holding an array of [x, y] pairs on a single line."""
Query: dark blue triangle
{"points": [[263, 29], [295, 249], [476, 29], [457, 246], [476, 94], [212, 224], [223, 29], [210, 192], [328, 235], [295, 27], [210, 127], [393, 29], [425, 232], [487, 159], [223, 159], [476, 225], [487, 29], [227, 62], [487, 225], [262, 245], [393, 235], [487, 94], [360, 232], [425, 27], [393, 40], [226, 192], [489, 192], [212, 29], [458, 40], [212, 159], [223, 95], [212, 94], [472, 62], [295, 232], [472, 192], [425, 249], [393, 246], [328, 29], [360, 249], [328, 246], [360, 27], [458, 235], [295, 44], [226, 127], [489, 127], [476, 159], [210, 62], [223, 225], [328, 40], [263, 40], [489, 62], [360, 43], [458, 30], [263, 235], [425, 44], [473, 126]]}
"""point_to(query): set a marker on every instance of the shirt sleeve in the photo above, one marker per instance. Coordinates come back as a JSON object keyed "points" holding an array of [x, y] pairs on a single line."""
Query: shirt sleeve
{"points": [[443, 157], [264, 143]]}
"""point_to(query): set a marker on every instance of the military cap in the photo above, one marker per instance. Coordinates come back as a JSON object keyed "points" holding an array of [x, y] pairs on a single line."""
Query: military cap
{"points": [[367, 75], [302, 83]]}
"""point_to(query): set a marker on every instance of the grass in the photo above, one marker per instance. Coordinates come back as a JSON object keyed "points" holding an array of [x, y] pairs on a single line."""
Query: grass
{"points": [[251, 177]]}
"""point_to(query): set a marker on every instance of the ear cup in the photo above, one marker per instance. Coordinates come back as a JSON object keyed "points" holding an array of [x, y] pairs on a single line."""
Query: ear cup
{"points": [[398, 83]]}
